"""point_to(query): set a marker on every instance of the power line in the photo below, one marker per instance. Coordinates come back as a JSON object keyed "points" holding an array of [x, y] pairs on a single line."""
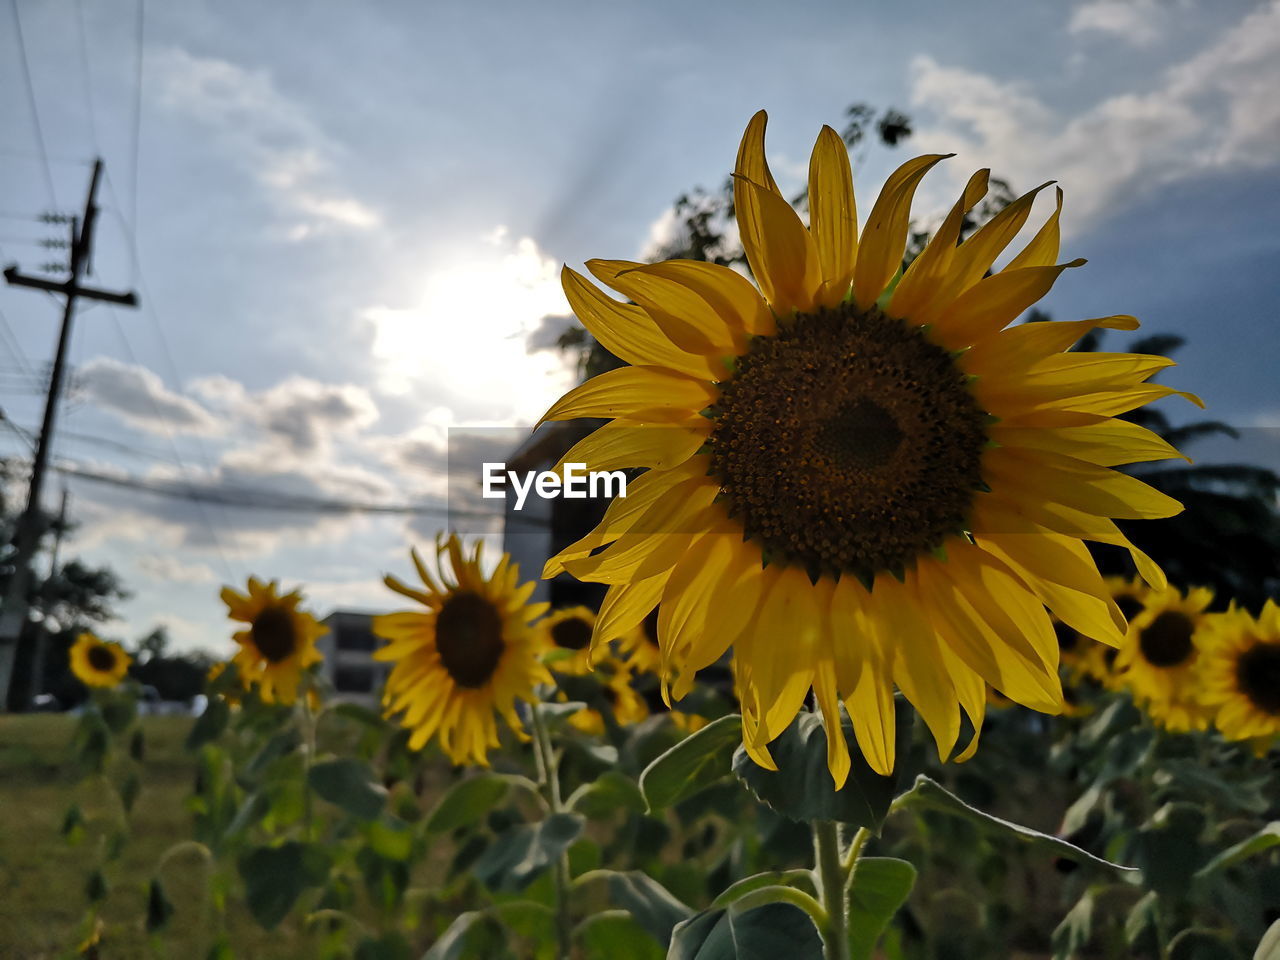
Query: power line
{"points": [[18, 353], [83, 46], [31, 99], [137, 116]]}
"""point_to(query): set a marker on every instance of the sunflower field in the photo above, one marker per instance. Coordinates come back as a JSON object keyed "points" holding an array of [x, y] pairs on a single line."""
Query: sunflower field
{"points": [[885, 664]]}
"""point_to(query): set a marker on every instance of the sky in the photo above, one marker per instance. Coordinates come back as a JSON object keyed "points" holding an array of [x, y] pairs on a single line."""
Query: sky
{"points": [[346, 221]]}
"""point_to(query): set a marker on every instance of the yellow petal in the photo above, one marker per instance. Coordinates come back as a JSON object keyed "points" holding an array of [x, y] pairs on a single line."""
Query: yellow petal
{"points": [[1020, 346], [824, 692], [778, 246], [627, 332], [685, 317], [884, 238], [871, 710], [992, 304], [1078, 485], [726, 291], [924, 279], [1043, 248], [833, 215], [752, 166], [1108, 444], [641, 393], [626, 443]]}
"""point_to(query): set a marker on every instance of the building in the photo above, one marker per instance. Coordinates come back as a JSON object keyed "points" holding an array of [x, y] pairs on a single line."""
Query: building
{"points": [[348, 658]]}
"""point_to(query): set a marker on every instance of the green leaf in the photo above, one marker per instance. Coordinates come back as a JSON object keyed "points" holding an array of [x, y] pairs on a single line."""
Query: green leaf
{"points": [[929, 795], [95, 887], [1072, 935], [392, 839], [159, 909], [1141, 926], [881, 886], [520, 853], [652, 905], [119, 713], [274, 878], [609, 792], [765, 933], [801, 787], [616, 935], [1168, 849], [389, 946], [1264, 839], [466, 802], [209, 725], [221, 949], [1197, 943], [697, 761], [1269, 947], [773, 878], [349, 784], [470, 936], [361, 715], [283, 744], [527, 918], [129, 790]]}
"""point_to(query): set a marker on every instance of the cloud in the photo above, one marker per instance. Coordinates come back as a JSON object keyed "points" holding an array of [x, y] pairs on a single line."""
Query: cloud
{"points": [[1136, 22], [168, 569], [299, 416], [139, 396], [462, 344], [1214, 112], [270, 136]]}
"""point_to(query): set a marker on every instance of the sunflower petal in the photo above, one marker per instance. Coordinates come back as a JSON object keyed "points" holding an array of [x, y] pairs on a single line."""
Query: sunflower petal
{"points": [[780, 248], [833, 215], [641, 393]]}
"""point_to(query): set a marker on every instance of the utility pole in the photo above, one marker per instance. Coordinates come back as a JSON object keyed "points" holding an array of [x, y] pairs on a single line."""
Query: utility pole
{"points": [[13, 612]]}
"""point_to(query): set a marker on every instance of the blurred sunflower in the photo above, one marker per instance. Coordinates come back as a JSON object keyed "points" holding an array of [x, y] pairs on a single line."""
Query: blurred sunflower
{"points": [[1240, 671], [640, 645], [228, 689], [858, 479], [627, 705], [97, 663], [1158, 662], [564, 637], [280, 642], [468, 656], [1095, 660]]}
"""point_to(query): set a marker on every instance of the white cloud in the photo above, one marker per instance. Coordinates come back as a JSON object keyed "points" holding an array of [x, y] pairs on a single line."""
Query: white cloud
{"points": [[270, 136], [464, 342], [1136, 22], [138, 396], [1215, 112], [169, 569]]}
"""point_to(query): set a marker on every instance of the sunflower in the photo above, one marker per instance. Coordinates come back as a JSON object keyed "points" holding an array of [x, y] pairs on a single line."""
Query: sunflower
{"points": [[280, 642], [97, 663], [565, 639], [856, 479], [468, 656], [627, 705], [1240, 672], [1159, 661]]}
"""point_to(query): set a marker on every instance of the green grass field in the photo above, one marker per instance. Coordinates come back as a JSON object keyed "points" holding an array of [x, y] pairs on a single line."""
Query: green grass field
{"points": [[42, 877]]}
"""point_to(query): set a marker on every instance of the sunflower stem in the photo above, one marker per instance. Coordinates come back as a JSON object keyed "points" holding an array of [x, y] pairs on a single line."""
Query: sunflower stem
{"points": [[832, 880], [549, 777]]}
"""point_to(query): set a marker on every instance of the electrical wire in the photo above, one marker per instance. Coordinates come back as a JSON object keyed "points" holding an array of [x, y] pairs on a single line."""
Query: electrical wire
{"points": [[31, 100]]}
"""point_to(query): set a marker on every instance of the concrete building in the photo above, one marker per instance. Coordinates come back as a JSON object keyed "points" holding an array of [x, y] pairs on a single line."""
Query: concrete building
{"points": [[348, 658]]}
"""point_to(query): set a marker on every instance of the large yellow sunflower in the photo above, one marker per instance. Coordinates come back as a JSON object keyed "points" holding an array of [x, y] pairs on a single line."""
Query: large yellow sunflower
{"points": [[858, 482], [1159, 660], [1240, 672], [98, 663], [470, 654], [279, 643]]}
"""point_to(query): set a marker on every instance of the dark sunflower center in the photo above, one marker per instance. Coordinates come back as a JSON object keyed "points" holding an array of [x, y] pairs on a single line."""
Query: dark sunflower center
{"points": [[650, 626], [1067, 636], [1258, 676], [1129, 605], [274, 634], [469, 638], [848, 443], [571, 634], [102, 659], [1166, 641]]}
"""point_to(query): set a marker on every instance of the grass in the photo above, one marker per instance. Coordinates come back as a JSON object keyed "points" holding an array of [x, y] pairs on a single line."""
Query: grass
{"points": [[42, 877]]}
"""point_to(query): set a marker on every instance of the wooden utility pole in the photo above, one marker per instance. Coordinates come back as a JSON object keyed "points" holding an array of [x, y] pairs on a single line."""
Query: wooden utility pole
{"points": [[14, 610]]}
